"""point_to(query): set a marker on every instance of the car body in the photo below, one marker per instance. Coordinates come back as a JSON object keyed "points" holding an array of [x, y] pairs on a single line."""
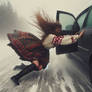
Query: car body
{"points": [[71, 25]]}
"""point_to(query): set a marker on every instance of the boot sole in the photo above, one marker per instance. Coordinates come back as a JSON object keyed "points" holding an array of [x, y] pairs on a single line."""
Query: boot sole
{"points": [[15, 80]]}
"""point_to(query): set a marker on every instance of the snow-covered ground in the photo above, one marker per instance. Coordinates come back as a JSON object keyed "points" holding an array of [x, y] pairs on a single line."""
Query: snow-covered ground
{"points": [[63, 74]]}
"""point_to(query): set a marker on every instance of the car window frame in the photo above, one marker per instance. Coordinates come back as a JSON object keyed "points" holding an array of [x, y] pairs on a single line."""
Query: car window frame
{"points": [[64, 12], [83, 12], [90, 9], [58, 50], [66, 48], [57, 15]]}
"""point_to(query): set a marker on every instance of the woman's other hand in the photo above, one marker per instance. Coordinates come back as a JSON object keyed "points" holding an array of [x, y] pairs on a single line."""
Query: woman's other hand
{"points": [[81, 33]]}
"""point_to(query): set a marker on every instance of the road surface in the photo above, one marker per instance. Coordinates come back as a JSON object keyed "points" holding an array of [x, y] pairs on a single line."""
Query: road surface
{"points": [[63, 74]]}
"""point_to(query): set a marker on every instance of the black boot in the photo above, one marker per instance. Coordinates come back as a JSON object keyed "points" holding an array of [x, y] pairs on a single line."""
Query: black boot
{"points": [[25, 71]]}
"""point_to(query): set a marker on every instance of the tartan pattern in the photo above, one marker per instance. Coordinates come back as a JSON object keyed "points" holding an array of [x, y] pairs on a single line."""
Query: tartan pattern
{"points": [[24, 34], [20, 48], [28, 50], [57, 40]]}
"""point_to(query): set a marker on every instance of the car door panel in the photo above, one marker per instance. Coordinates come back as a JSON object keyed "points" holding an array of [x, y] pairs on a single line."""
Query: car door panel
{"points": [[85, 43], [69, 27]]}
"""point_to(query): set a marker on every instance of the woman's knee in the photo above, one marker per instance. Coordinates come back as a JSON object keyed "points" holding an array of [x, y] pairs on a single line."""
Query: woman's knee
{"points": [[36, 62]]}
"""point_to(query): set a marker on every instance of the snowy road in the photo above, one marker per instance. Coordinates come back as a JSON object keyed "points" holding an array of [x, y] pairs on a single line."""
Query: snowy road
{"points": [[64, 74]]}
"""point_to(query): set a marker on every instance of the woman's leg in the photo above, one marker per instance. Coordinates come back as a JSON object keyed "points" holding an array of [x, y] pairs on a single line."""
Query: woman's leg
{"points": [[37, 64], [32, 67]]}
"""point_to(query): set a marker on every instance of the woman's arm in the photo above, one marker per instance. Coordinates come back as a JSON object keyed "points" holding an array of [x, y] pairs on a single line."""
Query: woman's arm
{"points": [[67, 39], [53, 40]]}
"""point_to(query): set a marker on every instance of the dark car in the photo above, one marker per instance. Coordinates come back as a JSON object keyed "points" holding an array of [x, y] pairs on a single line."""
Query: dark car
{"points": [[71, 25]]}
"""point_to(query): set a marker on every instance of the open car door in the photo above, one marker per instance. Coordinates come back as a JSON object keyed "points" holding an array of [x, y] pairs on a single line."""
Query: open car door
{"points": [[69, 27]]}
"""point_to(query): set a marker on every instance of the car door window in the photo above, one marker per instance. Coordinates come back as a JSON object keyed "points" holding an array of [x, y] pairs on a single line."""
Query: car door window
{"points": [[81, 19], [89, 20], [67, 21]]}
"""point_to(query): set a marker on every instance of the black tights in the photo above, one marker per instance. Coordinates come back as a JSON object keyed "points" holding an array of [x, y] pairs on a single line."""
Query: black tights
{"points": [[26, 70]]}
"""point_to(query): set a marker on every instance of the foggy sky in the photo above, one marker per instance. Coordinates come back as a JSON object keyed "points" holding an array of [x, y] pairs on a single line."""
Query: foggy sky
{"points": [[13, 13]]}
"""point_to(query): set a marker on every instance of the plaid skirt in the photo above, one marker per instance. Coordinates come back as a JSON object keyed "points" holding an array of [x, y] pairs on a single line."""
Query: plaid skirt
{"points": [[28, 47]]}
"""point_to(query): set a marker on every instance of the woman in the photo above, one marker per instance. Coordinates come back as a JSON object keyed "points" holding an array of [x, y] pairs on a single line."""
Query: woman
{"points": [[32, 49]]}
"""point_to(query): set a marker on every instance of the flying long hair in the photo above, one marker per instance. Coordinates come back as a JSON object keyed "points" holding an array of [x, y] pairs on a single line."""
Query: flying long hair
{"points": [[46, 24]]}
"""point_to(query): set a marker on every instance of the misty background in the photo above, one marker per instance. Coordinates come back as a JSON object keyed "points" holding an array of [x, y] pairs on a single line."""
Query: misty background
{"points": [[64, 73], [9, 20], [15, 14]]}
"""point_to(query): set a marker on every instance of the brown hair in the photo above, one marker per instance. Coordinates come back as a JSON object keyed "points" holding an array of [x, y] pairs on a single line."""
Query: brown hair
{"points": [[46, 24]]}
